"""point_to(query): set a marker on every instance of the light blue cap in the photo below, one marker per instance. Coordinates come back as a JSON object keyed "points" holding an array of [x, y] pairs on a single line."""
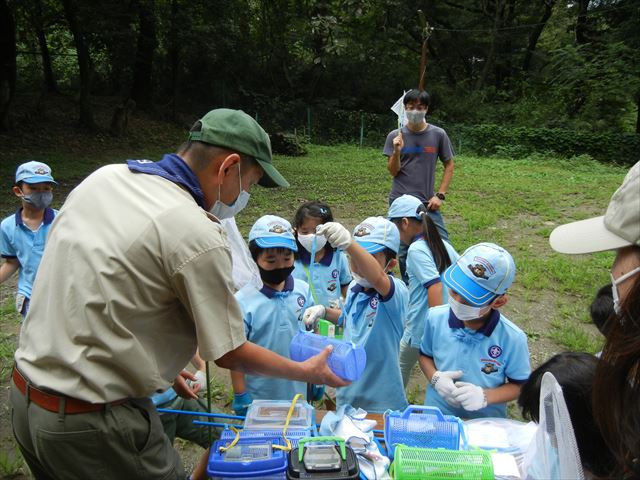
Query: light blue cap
{"points": [[271, 231], [481, 273], [376, 233], [34, 172], [406, 206]]}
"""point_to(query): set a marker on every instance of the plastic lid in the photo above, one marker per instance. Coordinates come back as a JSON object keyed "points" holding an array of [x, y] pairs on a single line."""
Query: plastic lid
{"points": [[272, 414]]}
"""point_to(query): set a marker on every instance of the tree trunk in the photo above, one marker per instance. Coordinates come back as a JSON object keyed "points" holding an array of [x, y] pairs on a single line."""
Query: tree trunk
{"points": [[638, 113], [84, 64], [7, 63], [142, 88], [174, 57], [535, 34], [491, 55], [582, 36], [47, 69]]}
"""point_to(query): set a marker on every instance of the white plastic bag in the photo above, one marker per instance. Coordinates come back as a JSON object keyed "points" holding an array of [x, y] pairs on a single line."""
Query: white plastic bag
{"points": [[553, 452], [245, 271]]}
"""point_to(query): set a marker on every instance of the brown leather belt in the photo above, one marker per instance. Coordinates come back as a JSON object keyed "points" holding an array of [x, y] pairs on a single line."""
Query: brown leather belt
{"points": [[51, 402]]}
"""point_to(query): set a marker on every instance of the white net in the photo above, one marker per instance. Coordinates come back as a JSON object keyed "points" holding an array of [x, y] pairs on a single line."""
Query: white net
{"points": [[244, 268], [553, 452]]}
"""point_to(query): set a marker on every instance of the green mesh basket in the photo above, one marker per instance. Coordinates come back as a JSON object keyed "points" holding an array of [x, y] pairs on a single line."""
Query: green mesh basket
{"points": [[412, 463]]}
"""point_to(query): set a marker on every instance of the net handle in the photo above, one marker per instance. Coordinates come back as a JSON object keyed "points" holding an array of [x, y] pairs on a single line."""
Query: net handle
{"points": [[435, 411]]}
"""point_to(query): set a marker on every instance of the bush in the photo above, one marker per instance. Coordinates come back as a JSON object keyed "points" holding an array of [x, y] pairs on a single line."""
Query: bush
{"points": [[288, 144], [623, 148]]}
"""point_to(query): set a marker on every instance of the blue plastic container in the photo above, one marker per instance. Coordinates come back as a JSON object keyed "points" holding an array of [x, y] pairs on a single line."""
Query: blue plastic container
{"points": [[251, 457], [347, 359], [424, 427], [294, 436]]}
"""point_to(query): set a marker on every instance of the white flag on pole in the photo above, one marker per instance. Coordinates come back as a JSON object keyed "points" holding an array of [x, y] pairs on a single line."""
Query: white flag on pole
{"points": [[398, 109]]}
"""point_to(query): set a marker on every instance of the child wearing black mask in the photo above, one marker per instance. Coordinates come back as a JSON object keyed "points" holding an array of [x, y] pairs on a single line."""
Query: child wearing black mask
{"points": [[272, 315]]}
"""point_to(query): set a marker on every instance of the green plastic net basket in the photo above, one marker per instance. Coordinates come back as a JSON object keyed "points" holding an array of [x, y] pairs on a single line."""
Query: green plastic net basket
{"points": [[424, 463]]}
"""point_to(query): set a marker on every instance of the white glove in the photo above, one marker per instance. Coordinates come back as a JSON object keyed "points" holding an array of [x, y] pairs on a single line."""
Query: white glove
{"points": [[312, 315], [201, 379], [470, 396], [442, 382], [337, 236]]}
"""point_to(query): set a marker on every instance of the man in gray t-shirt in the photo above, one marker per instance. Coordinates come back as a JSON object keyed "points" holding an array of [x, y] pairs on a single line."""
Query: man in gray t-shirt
{"points": [[412, 154]]}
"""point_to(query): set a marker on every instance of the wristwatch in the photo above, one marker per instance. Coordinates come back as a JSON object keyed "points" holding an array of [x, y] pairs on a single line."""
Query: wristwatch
{"points": [[441, 196]]}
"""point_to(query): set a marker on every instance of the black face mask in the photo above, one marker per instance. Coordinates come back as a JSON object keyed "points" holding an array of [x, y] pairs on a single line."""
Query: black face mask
{"points": [[275, 276]]}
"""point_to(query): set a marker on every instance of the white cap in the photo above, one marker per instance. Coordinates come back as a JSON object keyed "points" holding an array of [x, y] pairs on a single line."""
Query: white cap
{"points": [[619, 227]]}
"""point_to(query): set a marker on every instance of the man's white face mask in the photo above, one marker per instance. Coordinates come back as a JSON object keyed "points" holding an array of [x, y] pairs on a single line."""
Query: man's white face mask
{"points": [[221, 210]]}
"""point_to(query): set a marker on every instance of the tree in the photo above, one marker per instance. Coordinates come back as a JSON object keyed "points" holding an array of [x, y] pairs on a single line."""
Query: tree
{"points": [[72, 14], [142, 88], [7, 63]]}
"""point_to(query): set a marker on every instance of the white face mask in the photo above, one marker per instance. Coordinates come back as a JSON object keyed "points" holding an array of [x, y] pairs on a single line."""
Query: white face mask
{"points": [[415, 117], [307, 241], [363, 282], [464, 312], [221, 210], [614, 289]]}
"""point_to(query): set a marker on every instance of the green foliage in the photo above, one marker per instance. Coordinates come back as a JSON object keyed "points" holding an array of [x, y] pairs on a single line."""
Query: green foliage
{"points": [[517, 142], [289, 144]]}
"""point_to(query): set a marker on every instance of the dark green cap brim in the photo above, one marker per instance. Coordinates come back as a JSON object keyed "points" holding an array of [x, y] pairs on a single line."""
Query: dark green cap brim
{"points": [[272, 177]]}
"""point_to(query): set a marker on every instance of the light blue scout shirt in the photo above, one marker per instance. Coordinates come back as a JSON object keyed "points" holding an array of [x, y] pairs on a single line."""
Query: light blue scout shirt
{"points": [[18, 241], [327, 275], [271, 319], [375, 322], [488, 357], [423, 272]]}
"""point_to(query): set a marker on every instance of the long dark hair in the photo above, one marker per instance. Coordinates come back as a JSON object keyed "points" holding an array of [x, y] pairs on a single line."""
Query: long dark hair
{"points": [[434, 241], [616, 387], [574, 373]]}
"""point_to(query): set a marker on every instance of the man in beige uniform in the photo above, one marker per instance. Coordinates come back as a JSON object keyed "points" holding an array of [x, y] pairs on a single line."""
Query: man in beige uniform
{"points": [[137, 274]]}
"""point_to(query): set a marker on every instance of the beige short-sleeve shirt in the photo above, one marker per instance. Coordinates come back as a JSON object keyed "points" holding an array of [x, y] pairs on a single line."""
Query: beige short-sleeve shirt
{"points": [[133, 275]]}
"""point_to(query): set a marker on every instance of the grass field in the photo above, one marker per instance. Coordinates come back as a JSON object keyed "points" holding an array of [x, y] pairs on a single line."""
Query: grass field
{"points": [[515, 203]]}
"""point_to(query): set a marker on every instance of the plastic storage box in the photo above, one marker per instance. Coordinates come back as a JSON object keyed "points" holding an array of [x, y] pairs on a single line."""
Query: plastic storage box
{"points": [[272, 414], [328, 329], [294, 436], [249, 458], [316, 459], [421, 426], [347, 359], [413, 463]]}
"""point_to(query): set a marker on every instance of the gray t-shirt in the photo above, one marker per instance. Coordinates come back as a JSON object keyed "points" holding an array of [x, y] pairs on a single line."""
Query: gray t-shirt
{"points": [[418, 161]]}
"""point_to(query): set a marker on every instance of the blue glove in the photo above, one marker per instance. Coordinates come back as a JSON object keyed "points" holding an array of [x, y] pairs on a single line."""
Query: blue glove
{"points": [[241, 402], [318, 392]]}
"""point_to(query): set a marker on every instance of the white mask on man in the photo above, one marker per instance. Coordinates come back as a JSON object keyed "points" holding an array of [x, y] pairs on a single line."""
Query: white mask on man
{"points": [[221, 210]]}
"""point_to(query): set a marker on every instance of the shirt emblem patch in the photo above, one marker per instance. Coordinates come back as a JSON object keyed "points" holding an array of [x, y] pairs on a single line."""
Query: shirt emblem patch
{"points": [[489, 368], [430, 149], [334, 274], [301, 300], [495, 351], [373, 303]]}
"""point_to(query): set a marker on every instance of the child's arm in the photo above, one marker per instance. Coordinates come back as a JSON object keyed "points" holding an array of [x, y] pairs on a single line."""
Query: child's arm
{"points": [[442, 382], [8, 268], [241, 398], [434, 294], [339, 237]]}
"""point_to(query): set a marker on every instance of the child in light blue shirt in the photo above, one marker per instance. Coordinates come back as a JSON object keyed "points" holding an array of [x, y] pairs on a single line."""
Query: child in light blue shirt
{"points": [[329, 276], [373, 312], [427, 258], [475, 358], [23, 234], [271, 314]]}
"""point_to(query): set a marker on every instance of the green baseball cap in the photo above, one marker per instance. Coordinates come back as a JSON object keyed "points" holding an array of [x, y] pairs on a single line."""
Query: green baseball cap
{"points": [[235, 130]]}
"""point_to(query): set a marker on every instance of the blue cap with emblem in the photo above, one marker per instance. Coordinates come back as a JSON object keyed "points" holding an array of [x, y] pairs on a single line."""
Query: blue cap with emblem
{"points": [[271, 231], [377, 233], [482, 272], [34, 172]]}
